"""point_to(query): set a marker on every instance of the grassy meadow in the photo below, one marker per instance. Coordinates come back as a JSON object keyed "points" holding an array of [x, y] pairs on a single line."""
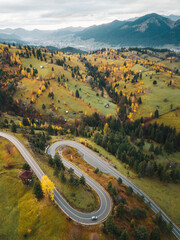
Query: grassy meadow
{"points": [[90, 100]]}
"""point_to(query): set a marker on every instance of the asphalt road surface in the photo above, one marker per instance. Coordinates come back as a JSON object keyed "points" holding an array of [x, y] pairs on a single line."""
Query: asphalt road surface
{"points": [[94, 160], [77, 216]]}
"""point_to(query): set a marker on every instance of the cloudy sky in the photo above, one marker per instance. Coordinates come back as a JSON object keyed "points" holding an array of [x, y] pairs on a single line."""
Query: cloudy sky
{"points": [[53, 14]]}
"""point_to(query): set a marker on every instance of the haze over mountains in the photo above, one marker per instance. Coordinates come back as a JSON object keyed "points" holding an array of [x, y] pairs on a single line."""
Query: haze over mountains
{"points": [[151, 30]]}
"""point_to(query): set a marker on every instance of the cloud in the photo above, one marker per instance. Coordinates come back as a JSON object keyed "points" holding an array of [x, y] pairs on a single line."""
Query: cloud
{"points": [[54, 14]]}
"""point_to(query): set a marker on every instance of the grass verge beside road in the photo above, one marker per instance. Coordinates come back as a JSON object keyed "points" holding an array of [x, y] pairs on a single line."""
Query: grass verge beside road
{"points": [[165, 195]]}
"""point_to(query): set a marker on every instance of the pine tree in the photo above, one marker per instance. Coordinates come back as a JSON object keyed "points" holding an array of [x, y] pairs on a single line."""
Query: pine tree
{"points": [[13, 128], [132, 223], [109, 187], [119, 181], [156, 113], [155, 234], [124, 236], [141, 233], [63, 177], [156, 150], [82, 180], [140, 100], [151, 149], [38, 191], [26, 167], [120, 210], [56, 172], [50, 160], [43, 106], [77, 93], [109, 224], [129, 190]]}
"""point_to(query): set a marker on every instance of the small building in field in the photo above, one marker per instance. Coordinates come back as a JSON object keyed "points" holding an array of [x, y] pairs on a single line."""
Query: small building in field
{"points": [[26, 176]]}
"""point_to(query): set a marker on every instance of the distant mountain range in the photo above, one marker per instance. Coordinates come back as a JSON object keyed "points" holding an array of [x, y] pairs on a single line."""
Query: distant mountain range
{"points": [[151, 30], [25, 35]]}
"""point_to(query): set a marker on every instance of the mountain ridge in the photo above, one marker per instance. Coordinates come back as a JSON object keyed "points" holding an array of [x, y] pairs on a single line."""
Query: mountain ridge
{"points": [[150, 30]]}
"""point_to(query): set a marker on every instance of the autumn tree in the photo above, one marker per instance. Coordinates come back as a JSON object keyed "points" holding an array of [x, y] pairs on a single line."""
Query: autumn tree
{"points": [[106, 129], [47, 187]]}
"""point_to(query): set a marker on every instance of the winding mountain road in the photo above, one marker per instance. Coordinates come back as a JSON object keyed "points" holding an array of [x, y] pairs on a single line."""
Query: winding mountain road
{"points": [[77, 216], [93, 159]]}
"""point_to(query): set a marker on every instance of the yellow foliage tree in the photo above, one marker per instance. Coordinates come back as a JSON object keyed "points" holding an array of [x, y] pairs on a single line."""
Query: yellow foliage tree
{"points": [[82, 140], [39, 92], [23, 72], [32, 71], [20, 125], [43, 88], [47, 187], [106, 129]]}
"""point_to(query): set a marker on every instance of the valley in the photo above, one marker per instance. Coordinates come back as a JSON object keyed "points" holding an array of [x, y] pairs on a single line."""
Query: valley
{"points": [[124, 105]]}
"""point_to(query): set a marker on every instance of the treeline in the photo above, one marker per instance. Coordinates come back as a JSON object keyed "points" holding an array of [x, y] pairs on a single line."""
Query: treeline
{"points": [[6, 98], [126, 140], [98, 79], [161, 134]]}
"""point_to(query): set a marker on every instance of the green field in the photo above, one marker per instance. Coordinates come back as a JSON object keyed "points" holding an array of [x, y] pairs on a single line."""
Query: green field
{"points": [[20, 212], [63, 101], [156, 95], [89, 101], [171, 119]]}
